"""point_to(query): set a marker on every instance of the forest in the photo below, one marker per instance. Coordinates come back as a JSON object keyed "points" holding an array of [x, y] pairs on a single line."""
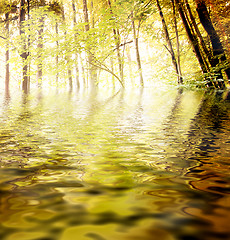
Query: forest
{"points": [[88, 43], [115, 119]]}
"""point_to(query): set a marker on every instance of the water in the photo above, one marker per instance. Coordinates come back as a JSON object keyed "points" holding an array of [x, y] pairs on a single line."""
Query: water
{"points": [[148, 164]]}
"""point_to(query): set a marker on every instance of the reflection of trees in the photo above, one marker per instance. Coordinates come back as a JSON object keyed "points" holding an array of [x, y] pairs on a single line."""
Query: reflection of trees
{"points": [[103, 155], [174, 132], [208, 126], [30, 173], [195, 179], [208, 136]]}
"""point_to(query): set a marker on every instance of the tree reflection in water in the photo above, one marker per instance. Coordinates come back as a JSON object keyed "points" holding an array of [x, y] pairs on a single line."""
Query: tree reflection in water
{"points": [[124, 166]]}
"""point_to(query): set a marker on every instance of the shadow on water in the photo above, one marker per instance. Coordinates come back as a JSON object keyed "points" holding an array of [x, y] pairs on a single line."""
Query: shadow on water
{"points": [[138, 166], [203, 157], [210, 177]]}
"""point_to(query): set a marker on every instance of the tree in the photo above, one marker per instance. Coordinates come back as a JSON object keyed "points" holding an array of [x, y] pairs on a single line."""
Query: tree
{"points": [[92, 71], [7, 8], [180, 79], [169, 43], [139, 13], [117, 40], [75, 37], [135, 37], [218, 53], [193, 40], [24, 50]]}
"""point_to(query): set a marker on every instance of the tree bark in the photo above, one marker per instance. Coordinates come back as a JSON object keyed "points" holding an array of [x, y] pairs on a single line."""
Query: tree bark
{"points": [[169, 43], [40, 50], [76, 54], [192, 39], [7, 56], [92, 72], [194, 24], [180, 80], [67, 57], [117, 43], [57, 57], [137, 52], [24, 54], [217, 48]]}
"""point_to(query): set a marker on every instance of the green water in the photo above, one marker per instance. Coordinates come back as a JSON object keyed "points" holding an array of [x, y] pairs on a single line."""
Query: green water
{"points": [[141, 165]]}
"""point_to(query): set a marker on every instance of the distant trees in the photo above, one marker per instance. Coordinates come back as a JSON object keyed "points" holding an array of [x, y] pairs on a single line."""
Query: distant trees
{"points": [[7, 10]]}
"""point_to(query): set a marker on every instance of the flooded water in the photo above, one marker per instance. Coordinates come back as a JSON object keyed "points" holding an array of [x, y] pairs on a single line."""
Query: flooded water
{"points": [[142, 165]]}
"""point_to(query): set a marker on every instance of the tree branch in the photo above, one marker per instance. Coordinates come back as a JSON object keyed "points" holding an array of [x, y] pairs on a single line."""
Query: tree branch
{"points": [[123, 44], [167, 49]]}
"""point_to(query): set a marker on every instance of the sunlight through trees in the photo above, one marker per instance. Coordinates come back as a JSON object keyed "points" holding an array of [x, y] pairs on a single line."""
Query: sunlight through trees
{"points": [[119, 43]]}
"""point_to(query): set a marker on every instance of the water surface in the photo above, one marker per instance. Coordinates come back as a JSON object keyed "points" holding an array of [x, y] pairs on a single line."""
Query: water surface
{"points": [[147, 164]]}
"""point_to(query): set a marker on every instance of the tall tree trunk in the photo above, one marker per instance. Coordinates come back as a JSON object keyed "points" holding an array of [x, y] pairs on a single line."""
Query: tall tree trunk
{"points": [[217, 48], [28, 42], [92, 14], [194, 24], [40, 50], [192, 39], [57, 58], [83, 71], [180, 80], [76, 54], [207, 58], [67, 57], [169, 43], [70, 77], [24, 54], [138, 58], [130, 64], [117, 40], [7, 56], [92, 72], [112, 70]]}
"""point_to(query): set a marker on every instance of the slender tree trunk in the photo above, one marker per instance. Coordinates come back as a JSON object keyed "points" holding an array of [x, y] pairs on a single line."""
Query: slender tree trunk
{"points": [[70, 78], [135, 36], [92, 72], [116, 35], [83, 72], [130, 64], [28, 42], [67, 57], [40, 50], [7, 56], [217, 48], [119, 57], [197, 35], [57, 58], [180, 80], [192, 39], [24, 54], [194, 24], [169, 43], [76, 54], [92, 14], [112, 70]]}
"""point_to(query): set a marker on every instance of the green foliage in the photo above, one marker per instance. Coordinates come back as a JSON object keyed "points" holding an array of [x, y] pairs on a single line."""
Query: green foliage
{"points": [[8, 6]]}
